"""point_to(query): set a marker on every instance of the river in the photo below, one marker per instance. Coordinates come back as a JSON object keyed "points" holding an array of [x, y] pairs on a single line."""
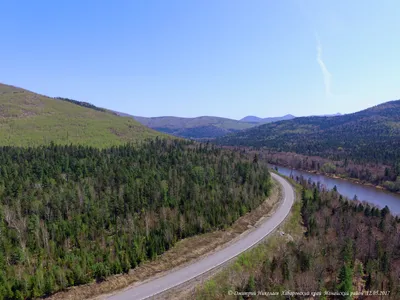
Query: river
{"points": [[375, 196]]}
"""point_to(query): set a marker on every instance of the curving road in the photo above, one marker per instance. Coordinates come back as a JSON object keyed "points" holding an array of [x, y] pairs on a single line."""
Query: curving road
{"points": [[175, 278]]}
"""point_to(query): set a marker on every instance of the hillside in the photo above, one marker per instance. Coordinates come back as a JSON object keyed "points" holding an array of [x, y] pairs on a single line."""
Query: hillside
{"points": [[197, 128], [254, 119], [371, 135], [29, 119]]}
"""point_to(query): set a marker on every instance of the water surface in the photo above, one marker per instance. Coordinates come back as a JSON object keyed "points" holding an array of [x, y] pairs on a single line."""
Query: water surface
{"points": [[380, 198]]}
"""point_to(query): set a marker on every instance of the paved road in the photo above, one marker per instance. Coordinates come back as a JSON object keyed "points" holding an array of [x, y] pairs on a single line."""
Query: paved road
{"points": [[175, 278]]}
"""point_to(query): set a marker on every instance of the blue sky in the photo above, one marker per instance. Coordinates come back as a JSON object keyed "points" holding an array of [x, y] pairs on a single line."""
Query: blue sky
{"points": [[207, 57]]}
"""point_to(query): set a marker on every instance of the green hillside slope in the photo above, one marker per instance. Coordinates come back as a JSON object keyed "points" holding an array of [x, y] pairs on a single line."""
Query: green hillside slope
{"points": [[371, 135], [29, 119]]}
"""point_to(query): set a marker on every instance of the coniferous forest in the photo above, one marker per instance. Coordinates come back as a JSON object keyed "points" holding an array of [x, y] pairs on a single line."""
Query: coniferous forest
{"points": [[73, 214]]}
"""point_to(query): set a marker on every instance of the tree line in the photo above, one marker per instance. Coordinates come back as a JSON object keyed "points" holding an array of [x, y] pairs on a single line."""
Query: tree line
{"points": [[83, 104], [73, 214]]}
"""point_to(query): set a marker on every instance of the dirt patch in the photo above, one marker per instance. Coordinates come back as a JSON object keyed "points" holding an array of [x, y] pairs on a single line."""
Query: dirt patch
{"points": [[183, 253], [115, 132], [27, 113]]}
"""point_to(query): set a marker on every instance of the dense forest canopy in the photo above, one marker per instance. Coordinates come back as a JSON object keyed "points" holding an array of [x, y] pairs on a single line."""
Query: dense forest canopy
{"points": [[371, 135], [72, 214]]}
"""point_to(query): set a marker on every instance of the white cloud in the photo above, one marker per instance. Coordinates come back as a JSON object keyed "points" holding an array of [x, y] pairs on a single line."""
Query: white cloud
{"points": [[325, 73]]}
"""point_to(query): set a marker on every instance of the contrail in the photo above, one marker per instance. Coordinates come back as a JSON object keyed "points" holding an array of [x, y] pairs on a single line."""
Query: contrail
{"points": [[325, 72]]}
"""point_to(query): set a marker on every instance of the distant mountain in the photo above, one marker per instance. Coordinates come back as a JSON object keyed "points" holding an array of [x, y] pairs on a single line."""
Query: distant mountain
{"points": [[205, 127], [371, 135], [29, 119], [254, 119], [195, 128], [251, 119]]}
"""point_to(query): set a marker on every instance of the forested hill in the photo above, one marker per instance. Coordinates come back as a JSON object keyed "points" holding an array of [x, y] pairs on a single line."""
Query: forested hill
{"points": [[371, 135], [29, 119], [73, 214], [195, 128]]}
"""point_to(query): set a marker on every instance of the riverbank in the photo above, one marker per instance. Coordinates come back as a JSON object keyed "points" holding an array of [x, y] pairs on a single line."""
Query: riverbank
{"points": [[378, 175], [349, 189], [341, 177]]}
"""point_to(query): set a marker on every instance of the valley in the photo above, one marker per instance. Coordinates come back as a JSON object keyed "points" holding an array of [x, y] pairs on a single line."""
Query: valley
{"points": [[199, 150], [127, 194]]}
